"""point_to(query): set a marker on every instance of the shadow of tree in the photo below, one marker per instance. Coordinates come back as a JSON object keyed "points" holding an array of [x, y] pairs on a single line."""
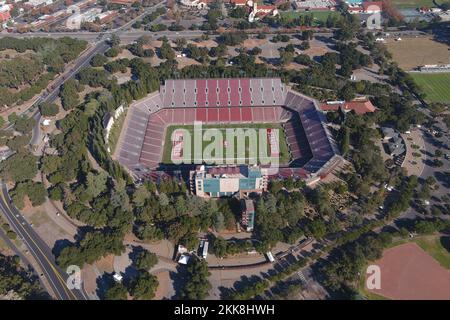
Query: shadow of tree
{"points": [[445, 242]]}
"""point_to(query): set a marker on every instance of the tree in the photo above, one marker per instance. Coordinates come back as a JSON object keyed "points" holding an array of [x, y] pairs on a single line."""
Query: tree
{"points": [[56, 192], [116, 291], [14, 278], [91, 247], [220, 247], [321, 198], [114, 40], [197, 285], [317, 228], [19, 167], [18, 142], [307, 34], [140, 195], [219, 221], [445, 6], [24, 125], [212, 16], [143, 287], [96, 183], [167, 51], [345, 140], [112, 52], [347, 93], [48, 109], [146, 260], [98, 60], [69, 94], [286, 57]]}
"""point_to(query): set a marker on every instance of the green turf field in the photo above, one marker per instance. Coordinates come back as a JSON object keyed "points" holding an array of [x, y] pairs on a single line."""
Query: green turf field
{"points": [[435, 85], [319, 16], [434, 246], [412, 4], [284, 151]]}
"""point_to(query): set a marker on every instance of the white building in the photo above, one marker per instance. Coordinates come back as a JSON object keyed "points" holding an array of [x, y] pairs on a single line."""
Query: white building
{"points": [[37, 3], [74, 21], [199, 4], [108, 122]]}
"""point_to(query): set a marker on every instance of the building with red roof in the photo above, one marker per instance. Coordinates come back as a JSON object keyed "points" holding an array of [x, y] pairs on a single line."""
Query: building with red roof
{"points": [[127, 3], [360, 106], [372, 6], [238, 3], [5, 16]]}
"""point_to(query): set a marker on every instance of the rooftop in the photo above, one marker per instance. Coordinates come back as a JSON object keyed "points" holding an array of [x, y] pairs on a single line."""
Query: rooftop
{"points": [[359, 106]]}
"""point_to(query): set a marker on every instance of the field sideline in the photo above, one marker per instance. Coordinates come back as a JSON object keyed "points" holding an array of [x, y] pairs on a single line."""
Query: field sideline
{"points": [[283, 147], [435, 85]]}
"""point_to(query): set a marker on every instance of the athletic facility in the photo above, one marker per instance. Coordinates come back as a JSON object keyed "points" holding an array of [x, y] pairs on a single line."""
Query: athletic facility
{"points": [[160, 131]]}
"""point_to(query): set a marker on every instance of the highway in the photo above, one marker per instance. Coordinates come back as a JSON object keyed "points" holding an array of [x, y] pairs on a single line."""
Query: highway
{"points": [[57, 279]]}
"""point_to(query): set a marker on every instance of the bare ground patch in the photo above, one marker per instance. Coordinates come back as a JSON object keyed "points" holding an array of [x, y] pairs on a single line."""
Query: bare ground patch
{"points": [[165, 289], [105, 264], [411, 53]]}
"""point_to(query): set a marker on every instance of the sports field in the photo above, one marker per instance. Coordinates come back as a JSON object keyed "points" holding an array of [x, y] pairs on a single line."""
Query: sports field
{"points": [[413, 52], [407, 4], [319, 17], [240, 136], [435, 85], [417, 268]]}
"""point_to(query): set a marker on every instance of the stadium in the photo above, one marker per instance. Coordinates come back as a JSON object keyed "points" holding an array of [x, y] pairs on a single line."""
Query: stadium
{"points": [[151, 132]]}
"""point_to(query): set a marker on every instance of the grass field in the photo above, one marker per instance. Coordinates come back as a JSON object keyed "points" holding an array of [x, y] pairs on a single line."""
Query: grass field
{"points": [[284, 151], [319, 16], [434, 246], [435, 85], [408, 4]]}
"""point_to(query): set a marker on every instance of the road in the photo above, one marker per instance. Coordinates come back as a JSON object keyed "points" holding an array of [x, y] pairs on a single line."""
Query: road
{"points": [[50, 97], [128, 35], [38, 248]]}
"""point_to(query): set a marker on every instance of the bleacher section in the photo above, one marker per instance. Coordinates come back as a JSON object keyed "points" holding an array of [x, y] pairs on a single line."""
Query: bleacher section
{"points": [[223, 92], [319, 140], [213, 101]]}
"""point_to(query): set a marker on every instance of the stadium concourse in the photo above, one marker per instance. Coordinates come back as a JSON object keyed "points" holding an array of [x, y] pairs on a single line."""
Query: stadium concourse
{"points": [[226, 101]]}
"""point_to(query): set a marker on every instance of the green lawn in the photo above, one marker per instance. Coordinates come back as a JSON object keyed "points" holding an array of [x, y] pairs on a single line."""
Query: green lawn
{"points": [[435, 85], [319, 16], [408, 4], [284, 151], [115, 132], [434, 247]]}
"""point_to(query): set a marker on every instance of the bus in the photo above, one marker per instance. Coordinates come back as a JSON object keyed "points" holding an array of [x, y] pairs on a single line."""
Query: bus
{"points": [[205, 249]]}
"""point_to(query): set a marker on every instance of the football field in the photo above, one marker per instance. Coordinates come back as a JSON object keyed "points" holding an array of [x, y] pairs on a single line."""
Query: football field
{"points": [[220, 144], [435, 85]]}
